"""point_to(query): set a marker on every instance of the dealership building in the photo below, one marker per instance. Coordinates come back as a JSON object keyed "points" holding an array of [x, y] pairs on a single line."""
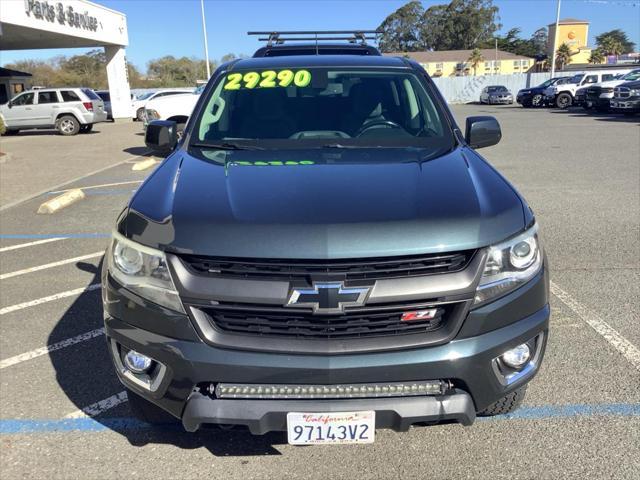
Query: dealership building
{"points": [[41, 24]]}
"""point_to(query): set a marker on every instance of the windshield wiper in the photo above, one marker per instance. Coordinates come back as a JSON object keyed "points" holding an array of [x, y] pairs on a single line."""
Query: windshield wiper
{"points": [[225, 146]]}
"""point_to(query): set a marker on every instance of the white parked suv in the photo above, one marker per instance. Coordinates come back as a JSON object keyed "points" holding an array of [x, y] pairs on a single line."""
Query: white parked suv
{"points": [[176, 108], [68, 110], [562, 96], [139, 103]]}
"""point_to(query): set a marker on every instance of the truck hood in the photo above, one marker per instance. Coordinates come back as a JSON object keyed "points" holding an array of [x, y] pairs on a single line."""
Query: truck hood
{"points": [[323, 204]]}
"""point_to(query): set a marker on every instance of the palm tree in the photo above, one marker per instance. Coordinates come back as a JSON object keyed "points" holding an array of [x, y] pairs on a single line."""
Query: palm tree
{"points": [[611, 46], [563, 56], [597, 56], [475, 59]]}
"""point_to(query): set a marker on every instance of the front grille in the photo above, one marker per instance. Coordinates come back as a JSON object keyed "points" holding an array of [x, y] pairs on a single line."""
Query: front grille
{"points": [[290, 324], [350, 269], [622, 92]]}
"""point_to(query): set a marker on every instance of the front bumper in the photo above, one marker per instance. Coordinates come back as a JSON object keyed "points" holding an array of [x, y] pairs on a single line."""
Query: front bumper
{"points": [[501, 101], [466, 362], [262, 416], [626, 105]]}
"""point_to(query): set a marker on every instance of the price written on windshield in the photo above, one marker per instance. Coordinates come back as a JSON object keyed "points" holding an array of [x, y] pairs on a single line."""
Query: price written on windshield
{"points": [[267, 79]]}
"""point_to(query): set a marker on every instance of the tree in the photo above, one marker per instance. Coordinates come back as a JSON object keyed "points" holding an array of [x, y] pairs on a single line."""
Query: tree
{"points": [[563, 56], [597, 56], [610, 46], [512, 42], [620, 36], [401, 29], [475, 59], [540, 39], [458, 25], [170, 71]]}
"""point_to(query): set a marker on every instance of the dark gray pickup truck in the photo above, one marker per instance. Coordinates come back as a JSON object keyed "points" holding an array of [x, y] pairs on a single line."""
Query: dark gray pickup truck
{"points": [[323, 252]]}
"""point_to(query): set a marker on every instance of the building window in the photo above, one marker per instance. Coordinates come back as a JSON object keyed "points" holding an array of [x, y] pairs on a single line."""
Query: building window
{"points": [[438, 66]]}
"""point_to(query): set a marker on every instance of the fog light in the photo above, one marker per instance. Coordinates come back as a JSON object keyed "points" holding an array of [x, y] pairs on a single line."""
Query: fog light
{"points": [[517, 357], [137, 362]]}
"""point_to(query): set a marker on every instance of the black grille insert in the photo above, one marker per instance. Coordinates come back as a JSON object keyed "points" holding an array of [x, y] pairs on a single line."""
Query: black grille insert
{"points": [[294, 324], [350, 269]]}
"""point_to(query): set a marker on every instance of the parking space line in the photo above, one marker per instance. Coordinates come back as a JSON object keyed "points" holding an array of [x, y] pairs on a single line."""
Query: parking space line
{"points": [[621, 344], [100, 407], [60, 236], [67, 182], [30, 244], [38, 352], [50, 298], [88, 424], [51, 265], [98, 186]]}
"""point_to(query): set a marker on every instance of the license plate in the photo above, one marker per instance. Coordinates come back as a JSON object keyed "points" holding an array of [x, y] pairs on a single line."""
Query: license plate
{"points": [[328, 428]]}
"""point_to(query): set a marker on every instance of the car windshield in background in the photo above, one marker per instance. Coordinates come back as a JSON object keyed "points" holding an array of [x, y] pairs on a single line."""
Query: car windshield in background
{"points": [[144, 96], [496, 89], [576, 78], [631, 76], [322, 107]]}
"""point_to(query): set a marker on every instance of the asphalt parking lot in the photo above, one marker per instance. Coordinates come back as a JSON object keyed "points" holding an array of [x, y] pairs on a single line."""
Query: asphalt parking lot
{"points": [[63, 413]]}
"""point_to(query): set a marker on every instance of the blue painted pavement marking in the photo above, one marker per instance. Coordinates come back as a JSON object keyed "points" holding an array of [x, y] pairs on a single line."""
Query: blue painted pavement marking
{"points": [[13, 427], [54, 235], [565, 411]]}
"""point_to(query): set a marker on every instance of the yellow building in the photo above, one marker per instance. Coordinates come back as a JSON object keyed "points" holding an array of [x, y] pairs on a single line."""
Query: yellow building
{"points": [[455, 63], [575, 33]]}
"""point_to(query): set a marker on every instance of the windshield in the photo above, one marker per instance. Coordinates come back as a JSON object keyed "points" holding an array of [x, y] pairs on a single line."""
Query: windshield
{"points": [[632, 75], [496, 89], [322, 107], [144, 96]]}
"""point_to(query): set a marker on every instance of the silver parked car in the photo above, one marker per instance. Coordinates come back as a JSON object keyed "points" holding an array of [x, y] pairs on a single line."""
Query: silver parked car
{"points": [[68, 110], [496, 94]]}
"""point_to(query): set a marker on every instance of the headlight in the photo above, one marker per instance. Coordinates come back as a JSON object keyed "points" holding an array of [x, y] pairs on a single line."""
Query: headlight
{"points": [[152, 114], [510, 265], [634, 92], [144, 271]]}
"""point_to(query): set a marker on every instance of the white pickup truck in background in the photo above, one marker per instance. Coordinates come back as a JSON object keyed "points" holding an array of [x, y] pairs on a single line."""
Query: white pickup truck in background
{"points": [[176, 108]]}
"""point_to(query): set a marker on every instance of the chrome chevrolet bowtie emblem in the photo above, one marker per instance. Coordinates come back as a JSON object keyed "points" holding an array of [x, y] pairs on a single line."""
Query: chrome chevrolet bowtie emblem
{"points": [[328, 297]]}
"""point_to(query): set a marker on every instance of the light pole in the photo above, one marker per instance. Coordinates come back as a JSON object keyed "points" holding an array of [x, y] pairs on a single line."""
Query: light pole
{"points": [[206, 46], [555, 41]]}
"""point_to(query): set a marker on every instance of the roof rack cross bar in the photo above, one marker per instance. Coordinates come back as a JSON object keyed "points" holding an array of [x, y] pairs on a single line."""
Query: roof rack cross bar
{"points": [[280, 37]]}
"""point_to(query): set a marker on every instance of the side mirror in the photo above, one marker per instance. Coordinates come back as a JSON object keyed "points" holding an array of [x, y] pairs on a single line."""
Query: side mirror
{"points": [[482, 131], [161, 136], [9, 105]]}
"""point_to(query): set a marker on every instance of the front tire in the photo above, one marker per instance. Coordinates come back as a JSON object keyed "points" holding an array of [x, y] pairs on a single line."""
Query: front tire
{"points": [[148, 412], [506, 404], [68, 125], [564, 100], [536, 101]]}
